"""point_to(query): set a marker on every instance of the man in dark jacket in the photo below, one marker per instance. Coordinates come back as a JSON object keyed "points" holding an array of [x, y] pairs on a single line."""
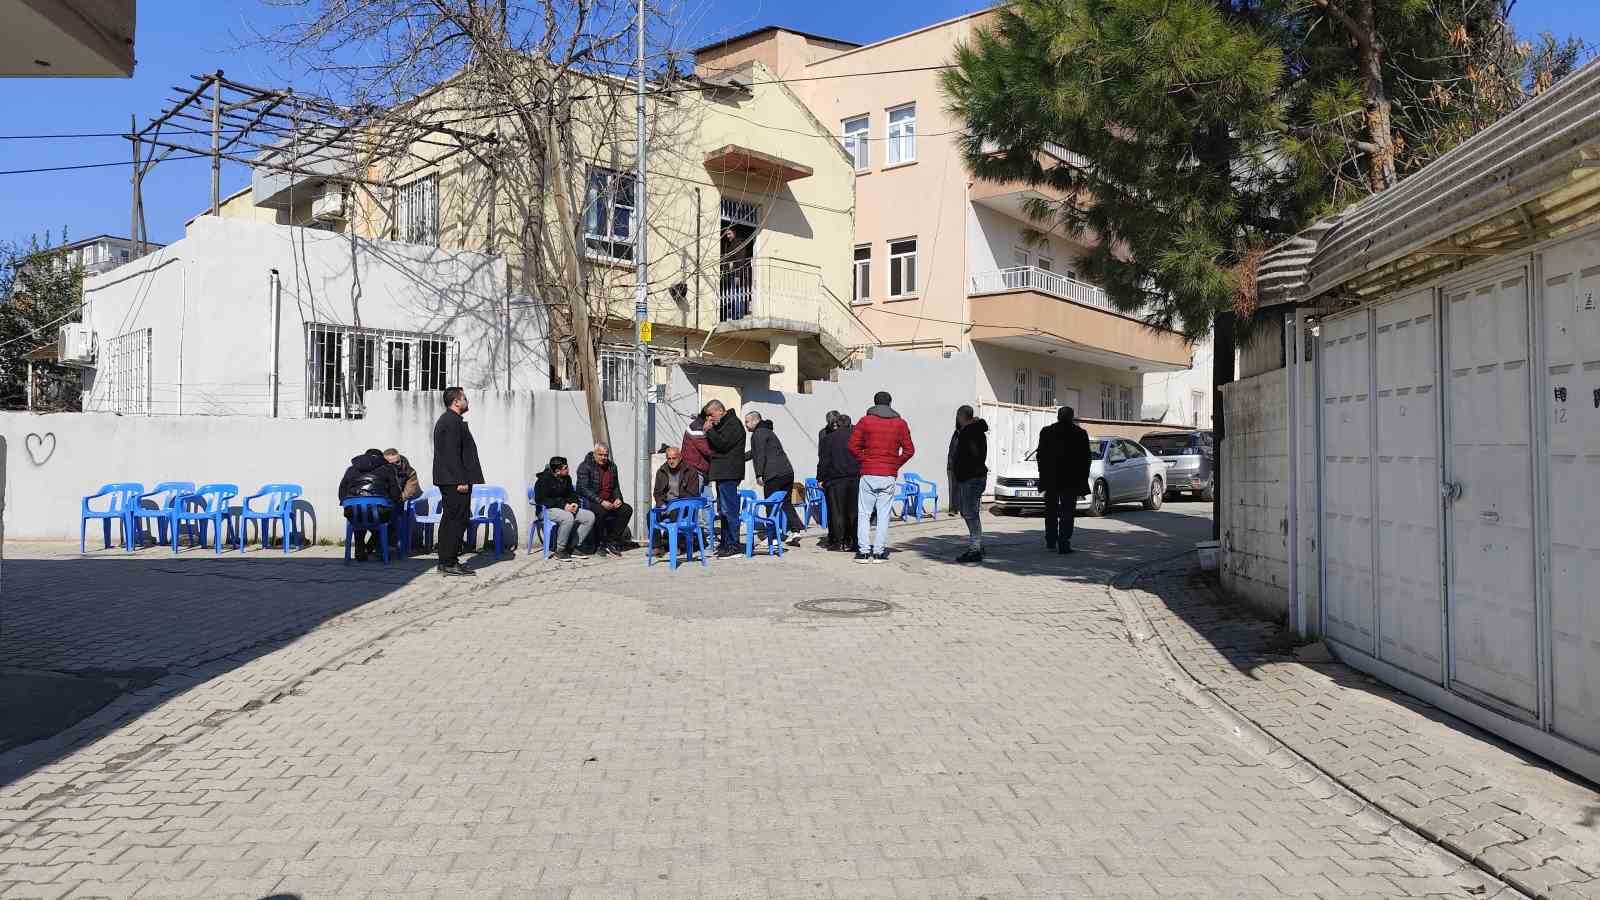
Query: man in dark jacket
{"points": [[406, 473], [972, 476], [675, 480], [600, 486], [726, 436], [950, 470], [455, 471], [1064, 460], [881, 442], [840, 474], [370, 475], [553, 492], [774, 472]]}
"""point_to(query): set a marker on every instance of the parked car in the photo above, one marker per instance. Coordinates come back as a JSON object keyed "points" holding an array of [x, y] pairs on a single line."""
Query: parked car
{"points": [[1191, 460], [1120, 471]]}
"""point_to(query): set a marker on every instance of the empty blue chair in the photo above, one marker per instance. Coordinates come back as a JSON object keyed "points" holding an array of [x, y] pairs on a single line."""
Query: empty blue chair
{"points": [[207, 506], [768, 514], [680, 520], [903, 501], [366, 514], [488, 508], [542, 527], [277, 508], [923, 492], [157, 506], [121, 498], [421, 521], [815, 509]]}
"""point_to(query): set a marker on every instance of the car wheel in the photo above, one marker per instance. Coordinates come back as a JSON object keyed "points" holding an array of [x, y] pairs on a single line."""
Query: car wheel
{"points": [[1099, 499], [1157, 493]]}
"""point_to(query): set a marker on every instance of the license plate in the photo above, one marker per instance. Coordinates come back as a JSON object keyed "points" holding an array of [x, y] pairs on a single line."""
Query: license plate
{"points": [[1024, 492]]}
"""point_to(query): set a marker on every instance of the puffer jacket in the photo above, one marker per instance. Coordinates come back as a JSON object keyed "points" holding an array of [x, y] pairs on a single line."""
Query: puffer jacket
{"points": [[726, 438], [766, 453], [589, 477], [881, 441], [370, 475], [551, 490], [972, 451]]}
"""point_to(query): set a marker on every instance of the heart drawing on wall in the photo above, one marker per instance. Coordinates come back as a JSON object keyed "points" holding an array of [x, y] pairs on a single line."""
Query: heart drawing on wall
{"points": [[40, 448]]}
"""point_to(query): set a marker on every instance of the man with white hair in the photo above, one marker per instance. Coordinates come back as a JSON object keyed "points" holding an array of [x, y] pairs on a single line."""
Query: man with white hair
{"points": [[601, 489]]}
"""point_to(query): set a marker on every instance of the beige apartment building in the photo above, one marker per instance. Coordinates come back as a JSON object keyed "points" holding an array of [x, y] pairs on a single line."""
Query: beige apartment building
{"points": [[941, 262]]}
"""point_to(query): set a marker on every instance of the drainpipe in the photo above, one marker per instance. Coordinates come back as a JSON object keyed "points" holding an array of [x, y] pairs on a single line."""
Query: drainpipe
{"points": [[275, 301], [1294, 348]]}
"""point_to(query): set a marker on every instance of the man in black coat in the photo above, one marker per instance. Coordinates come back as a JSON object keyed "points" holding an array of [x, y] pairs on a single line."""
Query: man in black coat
{"points": [[970, 467], [455, 470], [370, 475], [600, 486], [726, 436], [840, 474], [1064, 460], [774, 472]]}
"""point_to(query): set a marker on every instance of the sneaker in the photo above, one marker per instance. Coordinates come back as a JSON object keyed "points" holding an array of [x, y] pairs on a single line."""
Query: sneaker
{"points": [[863, 557], [580, 553], [456, 570], [614, 550], [792, 540], [1066, 548], [969, 557], [880, 556], [564, 555], [728, 552]]}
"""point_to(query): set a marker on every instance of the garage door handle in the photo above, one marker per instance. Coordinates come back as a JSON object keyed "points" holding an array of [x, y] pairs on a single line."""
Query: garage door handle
{"points": [[1450, 490], [1489, 515]]}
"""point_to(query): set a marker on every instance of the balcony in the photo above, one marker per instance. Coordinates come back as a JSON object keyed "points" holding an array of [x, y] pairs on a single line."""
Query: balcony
{"points": [[1029, 309], [770, 297]]}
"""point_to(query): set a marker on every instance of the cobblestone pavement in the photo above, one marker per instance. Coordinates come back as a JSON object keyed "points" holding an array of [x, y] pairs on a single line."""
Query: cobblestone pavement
{"points": [[600, 730], [1531, 824]]}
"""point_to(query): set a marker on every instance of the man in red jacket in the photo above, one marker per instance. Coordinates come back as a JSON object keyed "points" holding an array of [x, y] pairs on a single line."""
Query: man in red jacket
{"points": [[881, 442]]}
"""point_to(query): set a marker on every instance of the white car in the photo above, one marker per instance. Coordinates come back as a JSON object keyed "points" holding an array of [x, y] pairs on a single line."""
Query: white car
{"points": [[1120, 471]]}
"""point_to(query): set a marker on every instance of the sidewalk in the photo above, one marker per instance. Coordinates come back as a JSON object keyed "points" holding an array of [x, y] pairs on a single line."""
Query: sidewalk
{"points": [[1511, 814]]}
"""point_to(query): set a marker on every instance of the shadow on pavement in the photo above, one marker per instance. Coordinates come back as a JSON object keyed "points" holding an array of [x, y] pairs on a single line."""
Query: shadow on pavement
{"points": [[79, 633]]}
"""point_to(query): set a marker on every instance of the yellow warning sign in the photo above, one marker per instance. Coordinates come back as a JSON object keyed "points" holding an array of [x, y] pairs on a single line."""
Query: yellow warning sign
{"points": [[644, 332]]}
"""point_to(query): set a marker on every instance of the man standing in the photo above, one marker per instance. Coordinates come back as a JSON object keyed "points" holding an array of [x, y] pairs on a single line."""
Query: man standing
{"points": [[600, 487], [675, 480], [726, 438], [950, 470], [1063, 457], [840, 474], [971, 471], [455, 471], [881, 442], [774, 472]]}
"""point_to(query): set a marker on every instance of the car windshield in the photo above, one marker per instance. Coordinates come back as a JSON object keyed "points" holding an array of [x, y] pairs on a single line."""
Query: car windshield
{"points": [[1166, 443], [1097, 449]]}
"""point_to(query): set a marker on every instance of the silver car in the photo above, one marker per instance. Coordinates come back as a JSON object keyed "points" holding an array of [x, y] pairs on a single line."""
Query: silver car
{"points": [[1120, 471]]}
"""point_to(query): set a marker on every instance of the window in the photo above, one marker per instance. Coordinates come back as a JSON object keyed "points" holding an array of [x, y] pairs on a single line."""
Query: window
{"points": [[1047, 390], [1072, 275], [1133, 450], [1108, 402], [861, 286], [1019, 387], [1197, 399], [856, 142], [127, 366], [343, 363], [1114, 453], [903, 268], [903, 134], [617, 371], [1021, 257], [1125, 409], [608, 222], [126, 254], [417, 212], [1047, 264]]}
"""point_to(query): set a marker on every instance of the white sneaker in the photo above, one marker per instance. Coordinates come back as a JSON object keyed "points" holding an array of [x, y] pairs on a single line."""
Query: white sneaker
{"points": [[792, 540]]}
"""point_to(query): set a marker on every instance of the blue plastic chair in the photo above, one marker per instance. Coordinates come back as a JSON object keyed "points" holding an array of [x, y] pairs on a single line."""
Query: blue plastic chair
{"points": [[163, 499], [680, 518], [206, 506], [124, 496], [279, 510], [426, 522], [366, 514], [815, 509], [542, 527], [903, 501], [922, 492], [488, 503], [768, 513]]}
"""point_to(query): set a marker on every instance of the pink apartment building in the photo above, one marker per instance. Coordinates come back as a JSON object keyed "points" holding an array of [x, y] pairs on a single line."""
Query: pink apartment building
{"points": [[940, 260]]}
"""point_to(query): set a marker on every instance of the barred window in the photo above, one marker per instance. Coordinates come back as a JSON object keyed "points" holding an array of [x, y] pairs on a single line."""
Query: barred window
{"points": [[417, 212], [617, 373], [1125, 409], [126, 364], [343, 363], [1108, 402]]}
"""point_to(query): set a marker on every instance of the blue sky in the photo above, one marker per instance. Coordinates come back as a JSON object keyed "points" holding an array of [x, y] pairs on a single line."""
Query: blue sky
{"points": [[178, 38]]}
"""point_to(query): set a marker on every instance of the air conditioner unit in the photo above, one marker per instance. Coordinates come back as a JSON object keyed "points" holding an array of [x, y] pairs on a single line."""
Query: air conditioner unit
{"points": [[328, 205], [75, 345]]}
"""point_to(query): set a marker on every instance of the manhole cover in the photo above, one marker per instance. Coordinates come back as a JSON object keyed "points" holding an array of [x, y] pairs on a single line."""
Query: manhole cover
{"points": [[844, 606]]}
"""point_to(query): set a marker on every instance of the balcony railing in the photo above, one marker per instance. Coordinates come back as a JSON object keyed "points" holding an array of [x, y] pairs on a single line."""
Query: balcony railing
{"points": [[778, 289], [1033, 278]]}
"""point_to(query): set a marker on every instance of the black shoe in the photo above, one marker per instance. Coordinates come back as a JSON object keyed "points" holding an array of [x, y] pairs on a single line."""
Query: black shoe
{"points": [[1049, 545], [728, 552], [880, 556], [1066, 548], [456, 570], [564, 555], [361, 556], [971, 556], [615, 550], [863, 557]]}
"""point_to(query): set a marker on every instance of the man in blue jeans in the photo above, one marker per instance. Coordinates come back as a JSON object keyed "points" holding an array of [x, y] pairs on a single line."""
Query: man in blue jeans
{"points": [[726, 435], [881, 442]]}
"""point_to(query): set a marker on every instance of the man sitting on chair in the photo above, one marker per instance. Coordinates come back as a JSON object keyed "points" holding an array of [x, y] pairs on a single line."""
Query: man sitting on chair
{"points": [[553, 492], [675, 480], [600, 486], [370, 475]]}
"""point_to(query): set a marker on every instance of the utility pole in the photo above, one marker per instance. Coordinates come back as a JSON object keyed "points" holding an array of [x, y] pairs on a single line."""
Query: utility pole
{"points": [[216, 143], [641, 302]]}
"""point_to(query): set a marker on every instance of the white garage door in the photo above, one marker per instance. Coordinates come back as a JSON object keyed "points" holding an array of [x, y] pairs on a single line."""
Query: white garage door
{"points": [[1347, 470], [1571, 407], [1492, 605]]}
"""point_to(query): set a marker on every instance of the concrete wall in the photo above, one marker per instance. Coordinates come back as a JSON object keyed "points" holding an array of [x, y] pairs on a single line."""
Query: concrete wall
{"points": [[206, 301]]}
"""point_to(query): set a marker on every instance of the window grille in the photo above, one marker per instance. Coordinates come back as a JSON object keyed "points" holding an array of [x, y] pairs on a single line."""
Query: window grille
{"points": [[126, 362], [1108, 402], [343, 363], [417, 212], [617, 373], [740, 212]]}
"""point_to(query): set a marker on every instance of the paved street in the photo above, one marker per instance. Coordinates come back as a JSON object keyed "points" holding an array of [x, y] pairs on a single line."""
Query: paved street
{"points": [[294, 727]]}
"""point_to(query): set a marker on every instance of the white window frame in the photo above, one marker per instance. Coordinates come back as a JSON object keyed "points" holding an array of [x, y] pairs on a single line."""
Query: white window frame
{"points": [[903, 264], [366, 359], [861, 275], [618, 368], [1198, 400], [1046, 264], [1047, 389], [1021, 256], [601, 237], [902, 135], [857, 141], [1108, 401], [1021, 384], [416, 211], [1125, 404]]}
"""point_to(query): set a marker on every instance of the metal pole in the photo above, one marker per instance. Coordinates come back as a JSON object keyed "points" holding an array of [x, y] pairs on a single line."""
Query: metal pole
{"points": [[216, 144], [133, 205], [1294, 345], [641, 303]]}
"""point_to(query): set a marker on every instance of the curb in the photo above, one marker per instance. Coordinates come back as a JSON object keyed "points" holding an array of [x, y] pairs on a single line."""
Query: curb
{"points": [[1370, 817]]}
